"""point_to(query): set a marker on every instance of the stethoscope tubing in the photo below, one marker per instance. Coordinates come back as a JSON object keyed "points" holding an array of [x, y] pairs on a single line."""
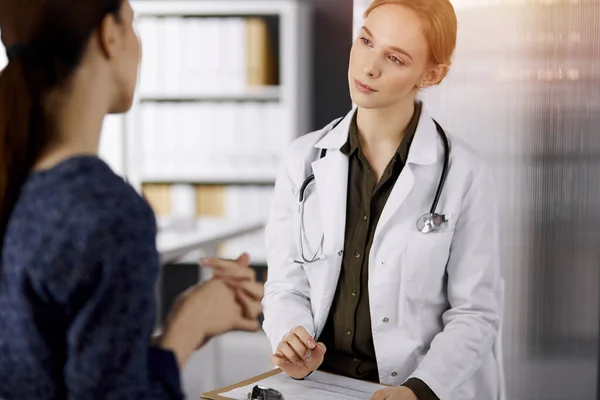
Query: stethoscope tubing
{"points": [[311, 178]]}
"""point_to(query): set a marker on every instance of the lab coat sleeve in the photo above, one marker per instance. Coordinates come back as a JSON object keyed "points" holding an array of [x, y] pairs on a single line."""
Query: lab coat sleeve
{"points": [[287, 291], [472, 322]]}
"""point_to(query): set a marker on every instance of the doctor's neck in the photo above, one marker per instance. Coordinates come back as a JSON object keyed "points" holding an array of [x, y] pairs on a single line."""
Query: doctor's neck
{"points": [[383, 126]]}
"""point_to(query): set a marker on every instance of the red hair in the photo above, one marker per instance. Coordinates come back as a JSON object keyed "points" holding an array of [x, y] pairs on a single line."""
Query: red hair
{"points": [[439, 25]]}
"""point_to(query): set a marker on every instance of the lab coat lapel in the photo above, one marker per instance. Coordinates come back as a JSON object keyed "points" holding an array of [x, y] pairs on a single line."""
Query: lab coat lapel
{"points": [[401, 189], [331, 178], [423, 151]]}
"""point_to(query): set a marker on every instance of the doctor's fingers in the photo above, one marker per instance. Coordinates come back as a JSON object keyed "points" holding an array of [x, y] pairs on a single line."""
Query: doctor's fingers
{"points": [[252, 307], [283, 362], [304, 336], [380, 395], [278, 360], [288, 352], [299, 346]]}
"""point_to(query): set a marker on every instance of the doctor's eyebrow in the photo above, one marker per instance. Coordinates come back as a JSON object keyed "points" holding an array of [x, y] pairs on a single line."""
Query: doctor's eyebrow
{"points": [[393, 48]]}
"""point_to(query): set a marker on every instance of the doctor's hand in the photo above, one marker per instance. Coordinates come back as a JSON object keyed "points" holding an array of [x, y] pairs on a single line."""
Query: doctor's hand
{"points": [[202, 312], [297, 354], [238, 275], [395, 393]]}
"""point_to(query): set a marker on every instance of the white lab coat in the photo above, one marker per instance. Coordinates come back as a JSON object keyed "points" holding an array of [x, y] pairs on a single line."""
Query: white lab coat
{"points": [[435, 299]]}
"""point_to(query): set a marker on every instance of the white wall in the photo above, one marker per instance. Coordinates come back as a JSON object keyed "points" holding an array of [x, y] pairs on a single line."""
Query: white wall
{"points": [[359, 8]]}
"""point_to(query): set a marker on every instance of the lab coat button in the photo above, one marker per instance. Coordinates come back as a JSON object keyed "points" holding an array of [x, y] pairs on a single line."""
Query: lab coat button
{"points": [[340, 253], [381, 263], [394, 374], [386, 320]]}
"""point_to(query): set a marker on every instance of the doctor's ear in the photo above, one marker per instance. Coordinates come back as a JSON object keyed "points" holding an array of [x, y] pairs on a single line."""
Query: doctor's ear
{"points": [[433, 76]]}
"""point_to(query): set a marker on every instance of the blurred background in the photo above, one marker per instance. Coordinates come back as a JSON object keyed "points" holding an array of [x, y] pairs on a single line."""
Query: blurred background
{"points": [[226, 85], [525, 92]]}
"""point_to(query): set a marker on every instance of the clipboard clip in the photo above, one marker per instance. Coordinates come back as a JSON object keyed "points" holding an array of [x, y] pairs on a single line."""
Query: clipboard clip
{"points": [[263, 393]]}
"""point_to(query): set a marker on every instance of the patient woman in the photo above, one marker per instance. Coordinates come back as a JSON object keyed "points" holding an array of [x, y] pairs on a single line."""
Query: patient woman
{"points": [[78, 262]]}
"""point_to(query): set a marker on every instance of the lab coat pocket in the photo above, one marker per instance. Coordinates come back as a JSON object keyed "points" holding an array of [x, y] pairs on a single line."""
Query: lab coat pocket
{"points": [[315, 269], [316, 273], [425, 264]]}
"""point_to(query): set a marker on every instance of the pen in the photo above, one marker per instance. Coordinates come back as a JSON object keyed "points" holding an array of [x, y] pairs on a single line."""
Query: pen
{"points": [[309, 352]]}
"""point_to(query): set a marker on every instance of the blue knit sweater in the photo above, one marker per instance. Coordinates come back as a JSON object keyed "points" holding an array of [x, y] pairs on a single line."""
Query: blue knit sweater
{"points": [[77, 291]]}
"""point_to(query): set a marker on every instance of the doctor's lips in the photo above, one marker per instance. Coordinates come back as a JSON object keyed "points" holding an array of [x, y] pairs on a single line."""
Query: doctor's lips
{"points": [[364, 88]]}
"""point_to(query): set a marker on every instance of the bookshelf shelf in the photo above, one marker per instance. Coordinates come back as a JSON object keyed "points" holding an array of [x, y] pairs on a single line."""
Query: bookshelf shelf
{"points": [[266, 180], [207, 234]]}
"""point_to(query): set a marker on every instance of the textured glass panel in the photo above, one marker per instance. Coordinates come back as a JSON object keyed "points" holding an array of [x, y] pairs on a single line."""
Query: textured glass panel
{"points": [[524, 90]]}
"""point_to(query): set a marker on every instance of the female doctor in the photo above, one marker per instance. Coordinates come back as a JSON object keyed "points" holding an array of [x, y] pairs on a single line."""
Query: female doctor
{"points": [[390, 266]]}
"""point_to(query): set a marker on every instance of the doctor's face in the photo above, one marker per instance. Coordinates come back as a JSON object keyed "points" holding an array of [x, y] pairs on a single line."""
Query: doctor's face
{"points": [[388, 58]]}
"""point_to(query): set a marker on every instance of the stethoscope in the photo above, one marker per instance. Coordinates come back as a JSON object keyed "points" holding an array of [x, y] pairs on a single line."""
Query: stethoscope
{"points": [[301, 198], [426, 223]]}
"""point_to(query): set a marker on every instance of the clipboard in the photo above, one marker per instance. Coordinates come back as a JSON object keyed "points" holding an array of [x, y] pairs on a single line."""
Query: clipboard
{"points": [[215, 394]]}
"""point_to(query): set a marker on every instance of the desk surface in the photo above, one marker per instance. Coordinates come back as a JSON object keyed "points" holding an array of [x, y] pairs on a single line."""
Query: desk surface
{"points": [[215, 394]]}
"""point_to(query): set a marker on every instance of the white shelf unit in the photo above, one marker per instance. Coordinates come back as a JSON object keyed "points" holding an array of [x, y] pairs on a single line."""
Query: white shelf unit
{"points": [[193, 124], [267, 93], [209, 153]]}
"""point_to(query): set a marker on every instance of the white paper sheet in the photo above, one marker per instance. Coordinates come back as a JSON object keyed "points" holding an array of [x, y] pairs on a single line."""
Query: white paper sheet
{"points": [[318, 386]]}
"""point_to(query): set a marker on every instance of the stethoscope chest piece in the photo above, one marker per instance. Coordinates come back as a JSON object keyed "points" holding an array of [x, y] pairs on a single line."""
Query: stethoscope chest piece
{"points": [[430, 222]]}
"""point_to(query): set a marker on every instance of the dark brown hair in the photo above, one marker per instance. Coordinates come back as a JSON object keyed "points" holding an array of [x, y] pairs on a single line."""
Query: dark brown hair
{"points": [[49, 38]]}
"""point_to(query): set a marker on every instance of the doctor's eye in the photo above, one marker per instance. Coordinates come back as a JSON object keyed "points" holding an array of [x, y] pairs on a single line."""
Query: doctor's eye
{"points": [[396, 60], [365, 41]]}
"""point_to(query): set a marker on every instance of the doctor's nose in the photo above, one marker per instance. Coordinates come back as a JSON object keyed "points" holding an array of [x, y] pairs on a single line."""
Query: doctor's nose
{"points": [[371, 69]]}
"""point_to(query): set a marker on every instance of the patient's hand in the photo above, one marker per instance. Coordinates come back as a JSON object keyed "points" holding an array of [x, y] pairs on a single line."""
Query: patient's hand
{"points": [[238, 275]]}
